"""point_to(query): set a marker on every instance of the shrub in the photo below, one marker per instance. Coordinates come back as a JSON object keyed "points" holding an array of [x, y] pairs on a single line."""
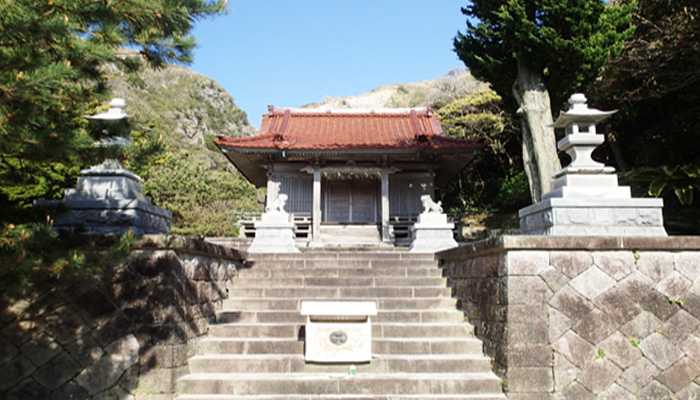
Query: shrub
{"points": [[203, 200]]}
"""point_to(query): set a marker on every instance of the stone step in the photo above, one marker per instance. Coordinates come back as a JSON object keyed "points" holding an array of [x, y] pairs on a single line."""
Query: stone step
{"points": [[230, 316], [300, 282], [398, 303], [493, 396], [292, 363], [379, 330], [339, 383], [344, 255], [326, 272], [427, 345], [213, 344], [321, 292], [338, 263]]}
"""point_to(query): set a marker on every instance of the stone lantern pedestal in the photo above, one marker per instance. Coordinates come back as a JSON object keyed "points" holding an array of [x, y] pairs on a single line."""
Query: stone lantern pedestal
{"points": [[274, 233], [586, 199], [109, 199]]}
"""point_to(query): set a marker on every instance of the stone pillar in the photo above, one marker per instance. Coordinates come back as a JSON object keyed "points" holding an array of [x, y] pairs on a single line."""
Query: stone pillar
{"points": [[386, 227], [316, 207]]}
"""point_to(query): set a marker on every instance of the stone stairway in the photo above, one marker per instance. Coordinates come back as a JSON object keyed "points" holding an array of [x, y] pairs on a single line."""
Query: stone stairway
{"points": [[423, 348]]}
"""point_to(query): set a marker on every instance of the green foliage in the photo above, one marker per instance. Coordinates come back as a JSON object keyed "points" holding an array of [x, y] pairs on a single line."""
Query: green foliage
{"points": [[513, 192], [477, 117], [34, 253], [145, 149], [534, 52], [681, 180], [53, 56], [567, 42], [599, 354], [202, 200], [174, 115], [635, 342], [655, 84], [493, 182]]}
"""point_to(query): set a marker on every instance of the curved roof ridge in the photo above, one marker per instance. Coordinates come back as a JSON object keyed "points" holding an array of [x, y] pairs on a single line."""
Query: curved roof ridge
{"points": [[348, 111]]}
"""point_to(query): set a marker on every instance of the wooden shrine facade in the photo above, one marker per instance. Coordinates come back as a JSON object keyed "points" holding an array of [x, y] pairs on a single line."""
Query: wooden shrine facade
{"points": [[350, 167]]}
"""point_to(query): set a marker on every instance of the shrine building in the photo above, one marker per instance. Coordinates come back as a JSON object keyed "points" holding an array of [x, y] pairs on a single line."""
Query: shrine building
{"points": [[351, 176]]}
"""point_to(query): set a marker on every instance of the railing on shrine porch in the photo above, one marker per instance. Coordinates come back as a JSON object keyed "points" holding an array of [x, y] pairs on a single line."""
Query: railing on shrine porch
{"points": [[400, 226], [246, 224]]}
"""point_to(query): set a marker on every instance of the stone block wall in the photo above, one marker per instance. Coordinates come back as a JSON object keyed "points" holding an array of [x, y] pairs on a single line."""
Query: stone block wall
{"points": [[585, 318], [126, 334]]}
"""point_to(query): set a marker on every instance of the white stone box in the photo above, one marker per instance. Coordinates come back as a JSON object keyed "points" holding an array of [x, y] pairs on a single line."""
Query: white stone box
{"points": [[338, 331]]}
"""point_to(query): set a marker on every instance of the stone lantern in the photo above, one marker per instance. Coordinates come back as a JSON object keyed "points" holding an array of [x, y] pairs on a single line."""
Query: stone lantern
{"points": [[108, 199], [586, 198]]}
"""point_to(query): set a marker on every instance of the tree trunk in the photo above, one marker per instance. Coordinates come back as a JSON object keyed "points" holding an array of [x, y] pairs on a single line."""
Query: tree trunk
{"points": [[539, 144]]}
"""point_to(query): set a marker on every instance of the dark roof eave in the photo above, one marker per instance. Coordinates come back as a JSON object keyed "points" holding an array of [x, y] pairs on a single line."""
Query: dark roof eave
{"points": [[238, 167]]}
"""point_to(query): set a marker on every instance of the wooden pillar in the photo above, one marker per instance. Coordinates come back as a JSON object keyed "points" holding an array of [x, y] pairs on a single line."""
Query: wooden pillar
{"points": [[316, 207], [386, 228]]}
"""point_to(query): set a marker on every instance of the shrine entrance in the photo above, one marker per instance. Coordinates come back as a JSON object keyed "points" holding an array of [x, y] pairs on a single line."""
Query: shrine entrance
{"points": [[350, 201]]}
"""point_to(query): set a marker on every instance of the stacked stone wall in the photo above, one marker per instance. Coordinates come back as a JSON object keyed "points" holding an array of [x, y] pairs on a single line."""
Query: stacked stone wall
{"points": [[585, 318], [125, 334]]}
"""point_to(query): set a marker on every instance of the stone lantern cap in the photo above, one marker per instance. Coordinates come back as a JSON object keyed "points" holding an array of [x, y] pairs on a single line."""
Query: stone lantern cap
{"points": [[581, 138], [580, 114], [114, 113]]}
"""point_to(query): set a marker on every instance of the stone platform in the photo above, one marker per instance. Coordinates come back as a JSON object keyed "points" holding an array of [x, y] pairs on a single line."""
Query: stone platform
{"points": [[574, 217], [594, 317]]}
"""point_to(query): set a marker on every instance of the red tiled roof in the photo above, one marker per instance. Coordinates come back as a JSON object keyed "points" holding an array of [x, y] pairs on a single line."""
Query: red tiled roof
{"points": [[286, 129]]}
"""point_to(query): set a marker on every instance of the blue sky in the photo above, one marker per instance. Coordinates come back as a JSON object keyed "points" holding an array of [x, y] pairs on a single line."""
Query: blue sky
{"points": [[289, 53]]}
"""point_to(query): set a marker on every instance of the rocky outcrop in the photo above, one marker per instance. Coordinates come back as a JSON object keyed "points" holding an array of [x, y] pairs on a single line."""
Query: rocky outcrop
{"points": [[435, 92], [186, 108]]}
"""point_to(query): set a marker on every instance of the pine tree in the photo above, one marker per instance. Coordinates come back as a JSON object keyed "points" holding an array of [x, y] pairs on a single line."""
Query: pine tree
{"points": [[54, 56], [531, 49]]}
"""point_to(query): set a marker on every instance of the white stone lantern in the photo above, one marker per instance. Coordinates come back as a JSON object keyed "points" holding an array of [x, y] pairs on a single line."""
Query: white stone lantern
{"points": [[586, 198]]}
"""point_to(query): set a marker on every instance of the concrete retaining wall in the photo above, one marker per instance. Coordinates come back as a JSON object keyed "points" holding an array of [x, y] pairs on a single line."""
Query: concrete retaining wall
{"points": [[126, 334], [585, 318]]}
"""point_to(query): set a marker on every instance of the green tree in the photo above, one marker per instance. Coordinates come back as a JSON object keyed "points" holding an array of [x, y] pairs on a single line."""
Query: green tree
{"points": [[530, 50], [203, 201], [655, 84], [53, 55], [493, 181]]}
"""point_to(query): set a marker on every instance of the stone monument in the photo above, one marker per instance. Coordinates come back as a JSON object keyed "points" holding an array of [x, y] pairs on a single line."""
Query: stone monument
{"points": [[432, 232], [338, 331], [586, 198], [274, 232]]}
